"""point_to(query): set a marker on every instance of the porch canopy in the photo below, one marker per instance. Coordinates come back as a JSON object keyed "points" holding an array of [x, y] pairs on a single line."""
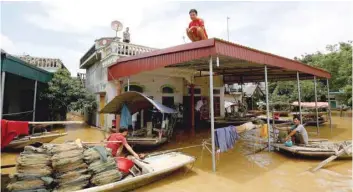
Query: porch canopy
{"points": [[237, 63], [135, 101]]}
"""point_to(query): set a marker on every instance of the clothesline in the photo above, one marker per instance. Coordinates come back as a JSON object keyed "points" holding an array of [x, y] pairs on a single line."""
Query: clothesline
{"points": [[18, 113]]}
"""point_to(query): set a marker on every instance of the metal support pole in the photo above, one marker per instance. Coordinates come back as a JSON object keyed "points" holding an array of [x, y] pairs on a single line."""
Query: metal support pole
{"points": [[299, 99], [192, 109], [268, 111], [34, 100], [128, 84], [142, 123], [212, 119], [242, 92], [317, 111], [329, 106], [2, 93]]}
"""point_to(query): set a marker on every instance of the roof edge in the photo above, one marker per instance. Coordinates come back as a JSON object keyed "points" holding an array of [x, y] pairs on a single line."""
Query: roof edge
{"points": [[270, 54], [8, 56], [169, 50]]}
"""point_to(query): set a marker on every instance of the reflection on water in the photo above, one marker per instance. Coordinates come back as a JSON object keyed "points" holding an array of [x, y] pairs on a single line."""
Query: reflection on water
{"points": [[259, 172]]}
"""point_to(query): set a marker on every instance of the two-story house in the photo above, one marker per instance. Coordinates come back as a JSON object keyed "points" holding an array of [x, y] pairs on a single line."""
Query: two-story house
{"points": [[96, 61]]}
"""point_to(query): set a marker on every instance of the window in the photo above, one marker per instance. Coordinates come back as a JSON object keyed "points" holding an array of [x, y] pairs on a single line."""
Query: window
{"points": [[135, 88], [197, 91], [216, 91], [168, 101], [167, 90]]}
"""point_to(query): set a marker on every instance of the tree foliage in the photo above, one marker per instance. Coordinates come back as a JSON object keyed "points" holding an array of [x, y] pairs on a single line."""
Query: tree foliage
{"points": [[337, 59], [65, 93]]}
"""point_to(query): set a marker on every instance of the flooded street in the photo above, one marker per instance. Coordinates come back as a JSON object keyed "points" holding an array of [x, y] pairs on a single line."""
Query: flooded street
{"points": [[259, 172]]}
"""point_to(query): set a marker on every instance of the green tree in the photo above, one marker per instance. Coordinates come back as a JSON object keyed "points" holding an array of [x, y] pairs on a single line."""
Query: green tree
{"points": [[65, 93], [337, 59]]}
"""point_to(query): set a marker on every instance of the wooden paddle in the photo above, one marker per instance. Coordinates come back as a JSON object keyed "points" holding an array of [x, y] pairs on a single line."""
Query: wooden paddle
{"points": [[333, 157]]}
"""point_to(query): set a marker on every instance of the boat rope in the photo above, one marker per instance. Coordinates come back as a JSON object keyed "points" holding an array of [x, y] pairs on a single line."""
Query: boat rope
{"points": [[18, 113]]}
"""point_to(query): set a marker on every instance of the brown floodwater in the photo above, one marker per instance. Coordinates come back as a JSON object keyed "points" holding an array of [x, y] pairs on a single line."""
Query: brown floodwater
{"points": [[264, 171]]}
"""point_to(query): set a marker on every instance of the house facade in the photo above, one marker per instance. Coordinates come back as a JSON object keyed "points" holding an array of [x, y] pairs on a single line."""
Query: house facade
{"points": [[96, 61], [171, 87]]}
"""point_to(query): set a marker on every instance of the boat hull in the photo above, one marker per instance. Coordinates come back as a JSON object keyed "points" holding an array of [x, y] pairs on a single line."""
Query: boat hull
{"points": [[21, 143], [160, 170], [323, 152], [136, 141]]}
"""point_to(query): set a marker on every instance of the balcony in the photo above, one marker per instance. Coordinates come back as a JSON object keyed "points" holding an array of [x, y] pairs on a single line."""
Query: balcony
{"points": [[110, 53], [90, 58], [117, 49]]}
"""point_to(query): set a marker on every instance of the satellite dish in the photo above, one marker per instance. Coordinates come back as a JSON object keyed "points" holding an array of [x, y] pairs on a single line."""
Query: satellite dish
{"points": [[117, 26]]}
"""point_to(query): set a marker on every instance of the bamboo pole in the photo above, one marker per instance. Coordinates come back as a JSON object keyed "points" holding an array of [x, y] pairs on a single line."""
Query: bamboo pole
{"points": [[55, 122], [333, 157]]}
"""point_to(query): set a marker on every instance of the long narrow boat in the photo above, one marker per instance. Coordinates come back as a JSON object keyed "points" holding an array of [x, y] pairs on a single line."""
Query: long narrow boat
{"points": [[45, 137], [139, 139], [135, 102], [154, 168], [321, 149], [277, 121]]}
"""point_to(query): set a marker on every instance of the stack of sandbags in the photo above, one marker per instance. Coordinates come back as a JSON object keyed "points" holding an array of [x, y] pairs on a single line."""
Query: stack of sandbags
{"points": [[102, 166], [33, 171], [70, 171]]}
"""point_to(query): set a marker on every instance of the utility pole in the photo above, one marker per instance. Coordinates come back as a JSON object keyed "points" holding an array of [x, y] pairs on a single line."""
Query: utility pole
{"points": [[228, 27]]}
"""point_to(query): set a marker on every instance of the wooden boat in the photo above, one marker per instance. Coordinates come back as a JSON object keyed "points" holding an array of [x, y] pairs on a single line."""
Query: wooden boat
{"points": [[277, 121], [154, 167], [135, 102], [257, 112], [139, 139], [309, 114], [282, 113], [322, 149], [146, 141], [45, 137]]}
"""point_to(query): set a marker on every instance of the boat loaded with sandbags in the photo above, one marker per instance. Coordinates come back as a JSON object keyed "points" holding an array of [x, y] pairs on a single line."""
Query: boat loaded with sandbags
{"points": [[75, 166]]}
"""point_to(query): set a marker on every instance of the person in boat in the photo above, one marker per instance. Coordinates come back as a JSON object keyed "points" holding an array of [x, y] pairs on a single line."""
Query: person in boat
{"points": [[196, 30], [118, 147], [298, 132]]}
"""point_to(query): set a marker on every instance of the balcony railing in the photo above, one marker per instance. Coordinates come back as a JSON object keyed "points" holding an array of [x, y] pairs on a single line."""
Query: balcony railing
{"points": [[124, 49], [115, 48]]}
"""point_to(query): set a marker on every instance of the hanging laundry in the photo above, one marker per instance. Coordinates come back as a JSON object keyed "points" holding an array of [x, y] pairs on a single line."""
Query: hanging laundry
{"points": [[126, 118], [225, 138], [12, 129]]}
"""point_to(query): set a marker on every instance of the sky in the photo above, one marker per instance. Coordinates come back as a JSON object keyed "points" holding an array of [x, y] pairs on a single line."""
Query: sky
{"points": [[66, 29]]}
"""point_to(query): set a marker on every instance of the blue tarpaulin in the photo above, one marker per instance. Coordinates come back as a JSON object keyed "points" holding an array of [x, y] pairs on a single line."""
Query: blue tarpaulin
{"points": [[125, 119]]}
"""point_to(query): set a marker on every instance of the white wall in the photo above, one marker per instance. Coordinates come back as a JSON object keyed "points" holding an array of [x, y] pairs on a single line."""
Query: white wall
{"points": [[111, 92], [152, 85]]}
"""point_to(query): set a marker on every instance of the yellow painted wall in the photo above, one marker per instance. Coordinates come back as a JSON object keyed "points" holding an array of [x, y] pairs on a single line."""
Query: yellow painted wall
{"points": [[101, 106], [204, 83]]}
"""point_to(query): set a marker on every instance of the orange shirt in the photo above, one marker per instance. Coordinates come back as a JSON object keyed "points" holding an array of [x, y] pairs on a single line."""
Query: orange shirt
{"points": [[116, 146], [197, 23]]}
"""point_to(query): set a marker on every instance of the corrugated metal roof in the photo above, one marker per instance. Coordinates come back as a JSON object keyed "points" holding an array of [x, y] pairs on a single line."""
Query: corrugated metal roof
{"points": [[235, 60], [18, 67]]}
